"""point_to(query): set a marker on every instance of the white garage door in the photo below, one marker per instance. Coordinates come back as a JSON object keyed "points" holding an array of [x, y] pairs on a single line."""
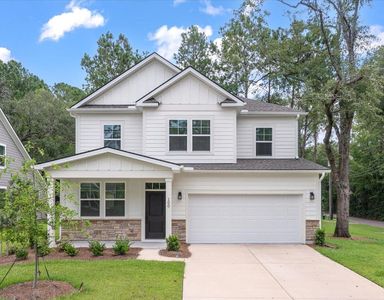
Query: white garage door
{"points": [[245, 219]]}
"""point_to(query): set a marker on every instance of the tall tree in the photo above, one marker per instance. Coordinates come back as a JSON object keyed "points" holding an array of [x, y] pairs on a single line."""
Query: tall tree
{"points": [[67, 94], [113, 57], [196, 51]]}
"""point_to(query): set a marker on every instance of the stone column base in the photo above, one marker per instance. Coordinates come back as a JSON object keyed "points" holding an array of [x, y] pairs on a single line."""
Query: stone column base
{"points": [[179, 229], [310, 229]]}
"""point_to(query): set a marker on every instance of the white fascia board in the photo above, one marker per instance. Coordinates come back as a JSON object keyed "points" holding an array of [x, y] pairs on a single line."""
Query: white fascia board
{"points": [[125, 75], [131, 109], [231, 104], [147, 104], [271, 113], [259, 171]]}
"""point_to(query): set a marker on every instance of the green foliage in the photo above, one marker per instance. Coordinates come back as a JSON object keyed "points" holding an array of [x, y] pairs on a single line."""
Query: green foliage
{"points": [[43, 248], [97, 248], [173, 243], [21, 253], [320, 237], [70, 250], [62, 245], [121, 246]]}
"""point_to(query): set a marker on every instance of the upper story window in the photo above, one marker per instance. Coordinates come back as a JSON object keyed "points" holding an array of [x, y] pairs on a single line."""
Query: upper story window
{"points": [[201, 135], [2, 156], [178, 135], [90, 199], [112, 136], [263, 141], [115, 199]]}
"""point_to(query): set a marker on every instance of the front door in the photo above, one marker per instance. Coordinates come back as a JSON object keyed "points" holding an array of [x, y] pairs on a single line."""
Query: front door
{"points": [[154, 214]]}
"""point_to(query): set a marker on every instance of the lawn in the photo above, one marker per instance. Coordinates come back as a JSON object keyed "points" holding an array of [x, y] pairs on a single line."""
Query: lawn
{"points": [[110, 279], [364, 253]]}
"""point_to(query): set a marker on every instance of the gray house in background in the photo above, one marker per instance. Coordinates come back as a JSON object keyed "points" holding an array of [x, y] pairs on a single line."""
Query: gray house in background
{"points": [[12, 152]]}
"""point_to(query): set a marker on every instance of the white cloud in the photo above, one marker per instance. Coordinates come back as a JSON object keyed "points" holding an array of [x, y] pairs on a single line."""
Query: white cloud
{"points": [[168, 40], [378, 32], [211, 10], [177, 2], [5, 55], [75, 17]]}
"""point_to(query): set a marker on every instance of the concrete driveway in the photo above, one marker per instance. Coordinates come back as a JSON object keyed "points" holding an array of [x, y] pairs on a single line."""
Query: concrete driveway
{"points": [[271, 272]]}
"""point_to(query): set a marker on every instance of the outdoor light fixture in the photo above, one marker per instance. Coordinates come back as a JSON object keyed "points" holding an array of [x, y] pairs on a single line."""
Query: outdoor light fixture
{"points": [[179, 196], [312, 196]]}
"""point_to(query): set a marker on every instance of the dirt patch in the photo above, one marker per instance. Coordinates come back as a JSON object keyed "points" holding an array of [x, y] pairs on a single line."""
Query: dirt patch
{"points": [[84, 254], [182, 253], [44, 290]]}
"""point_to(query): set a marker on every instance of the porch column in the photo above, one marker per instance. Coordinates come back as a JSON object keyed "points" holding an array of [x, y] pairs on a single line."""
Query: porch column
{"points": [[168, 210], [51, 218]]}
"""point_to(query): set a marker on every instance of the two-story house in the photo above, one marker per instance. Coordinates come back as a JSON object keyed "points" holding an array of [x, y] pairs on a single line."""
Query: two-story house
{"points": [[161, 150]]}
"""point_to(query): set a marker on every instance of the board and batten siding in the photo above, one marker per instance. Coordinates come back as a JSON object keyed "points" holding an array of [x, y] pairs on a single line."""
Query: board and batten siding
{"points": [[90, 134], [190, 99], [136, 85], [285, 136], [13, 154]]}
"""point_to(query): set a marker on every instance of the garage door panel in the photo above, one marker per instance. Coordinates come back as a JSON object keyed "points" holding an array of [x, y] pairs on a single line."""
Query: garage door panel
{"points": [[244, 219]]}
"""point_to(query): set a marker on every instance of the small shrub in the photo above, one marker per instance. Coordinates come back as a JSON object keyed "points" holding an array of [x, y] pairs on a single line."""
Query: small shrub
{"points": [[173, 243], [12, 249], [320, 237], [96, 248], [121, 246], [21, 253], [63, 245], [70, 250], [43, 248]]}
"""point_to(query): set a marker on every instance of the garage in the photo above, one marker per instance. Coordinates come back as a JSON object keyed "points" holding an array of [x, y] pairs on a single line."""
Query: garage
{"points": [[245, 219]]}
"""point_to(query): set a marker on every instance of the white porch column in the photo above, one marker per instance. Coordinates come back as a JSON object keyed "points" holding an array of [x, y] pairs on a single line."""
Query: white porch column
{"points": [[168, 205], [51, 218]]}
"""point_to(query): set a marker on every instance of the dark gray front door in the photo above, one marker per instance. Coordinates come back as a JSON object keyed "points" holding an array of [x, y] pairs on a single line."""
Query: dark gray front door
{"points": [[154, 214]]}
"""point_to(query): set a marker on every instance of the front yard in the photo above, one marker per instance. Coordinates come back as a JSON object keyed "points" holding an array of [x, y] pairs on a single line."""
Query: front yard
{"points": [[109, 279], [364, 253]]}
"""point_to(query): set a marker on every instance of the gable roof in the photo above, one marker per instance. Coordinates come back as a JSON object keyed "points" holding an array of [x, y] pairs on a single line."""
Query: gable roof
{"points": [[104, 150], [236, 101], [127, 73], [13, 135], [257, 106]]}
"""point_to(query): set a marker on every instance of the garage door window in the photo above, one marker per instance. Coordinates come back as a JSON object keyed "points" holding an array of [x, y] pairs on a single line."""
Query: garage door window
{"points": [[263, 141]]}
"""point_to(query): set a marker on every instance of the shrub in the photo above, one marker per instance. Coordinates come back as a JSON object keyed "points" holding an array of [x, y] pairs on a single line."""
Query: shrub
{"points": [[320, 237], [121, 246], [21, 253], [62, 245], [70, 250], [12, 249], [96, 248], [173, 243], [43, 248]]}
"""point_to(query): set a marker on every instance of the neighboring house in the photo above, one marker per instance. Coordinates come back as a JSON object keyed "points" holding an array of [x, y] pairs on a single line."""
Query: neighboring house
{"points": [[12, 152], [161, 150]]}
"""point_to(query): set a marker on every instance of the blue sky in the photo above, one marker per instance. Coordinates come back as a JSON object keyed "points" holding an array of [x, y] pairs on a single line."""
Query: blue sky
{"points": [[50, 37]]}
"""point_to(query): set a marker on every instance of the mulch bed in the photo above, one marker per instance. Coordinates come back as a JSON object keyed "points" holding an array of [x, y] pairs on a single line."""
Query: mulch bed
{"points": [[44, 290], [182, 253], [84, 254]]}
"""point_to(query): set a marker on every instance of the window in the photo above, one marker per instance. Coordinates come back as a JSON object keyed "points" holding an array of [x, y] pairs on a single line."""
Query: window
{"points": [[2, 156], [263, 141], [201, 135], [90, 199], [112, 136], [115, 199], [155, 185], [178, 135]]}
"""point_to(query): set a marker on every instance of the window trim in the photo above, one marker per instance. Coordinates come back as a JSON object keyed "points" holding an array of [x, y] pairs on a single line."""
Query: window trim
{"points": [[169, 135], [209, 135], [112, 123], [4, 155], [145, 186], [105, 200], [272, 141], [80, 199]]}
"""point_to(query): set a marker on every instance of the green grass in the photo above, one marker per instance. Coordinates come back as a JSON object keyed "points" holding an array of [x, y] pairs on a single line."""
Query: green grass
{"points": [[364, 253], [110, 279]]}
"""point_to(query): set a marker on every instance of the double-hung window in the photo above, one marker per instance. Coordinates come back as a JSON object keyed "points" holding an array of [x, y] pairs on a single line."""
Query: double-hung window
{"points": [[201, 135], [263, 141], [115, 199], [112, 136], [90, 199], [178, 135], [2, 156]]}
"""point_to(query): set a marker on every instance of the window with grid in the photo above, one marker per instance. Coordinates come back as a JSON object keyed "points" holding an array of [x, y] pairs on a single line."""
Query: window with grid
{"points": [[115, 199], [178, 135], [201, 135], [2, 156], [155, 185], [112, 136], [263, 141], [90, 199]]}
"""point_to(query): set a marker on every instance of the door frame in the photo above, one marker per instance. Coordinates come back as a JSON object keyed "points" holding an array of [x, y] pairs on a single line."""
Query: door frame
{"points": [[145, 214]]}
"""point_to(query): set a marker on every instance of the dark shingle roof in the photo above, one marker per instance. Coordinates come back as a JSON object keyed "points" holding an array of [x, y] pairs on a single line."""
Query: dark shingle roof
{"points": [[151, 100], [262, 164], [257, 105]]}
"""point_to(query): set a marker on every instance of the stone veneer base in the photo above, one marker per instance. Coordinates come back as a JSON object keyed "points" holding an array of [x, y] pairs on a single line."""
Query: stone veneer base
{"points": [[179, 229], [310, 229]]}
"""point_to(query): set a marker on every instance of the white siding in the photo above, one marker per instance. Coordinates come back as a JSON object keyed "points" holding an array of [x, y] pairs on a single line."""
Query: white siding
{"points": [[136, 85], [284, 136], [90, 131]]}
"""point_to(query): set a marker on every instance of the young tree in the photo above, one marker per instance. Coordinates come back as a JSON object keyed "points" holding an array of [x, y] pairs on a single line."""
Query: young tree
{"points": [[113, 57]]}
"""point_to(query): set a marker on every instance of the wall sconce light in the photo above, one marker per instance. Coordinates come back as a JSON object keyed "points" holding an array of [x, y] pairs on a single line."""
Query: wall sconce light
{"points": [[179, 196], [312, 196]]}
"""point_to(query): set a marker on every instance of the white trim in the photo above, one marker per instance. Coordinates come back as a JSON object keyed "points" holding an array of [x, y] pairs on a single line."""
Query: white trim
{"points": [[259, 171], [264, 142], [3, 187], [182, 74], [127, 73], [112, 123], [129, 109], [3, 156], [271, 113]]}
